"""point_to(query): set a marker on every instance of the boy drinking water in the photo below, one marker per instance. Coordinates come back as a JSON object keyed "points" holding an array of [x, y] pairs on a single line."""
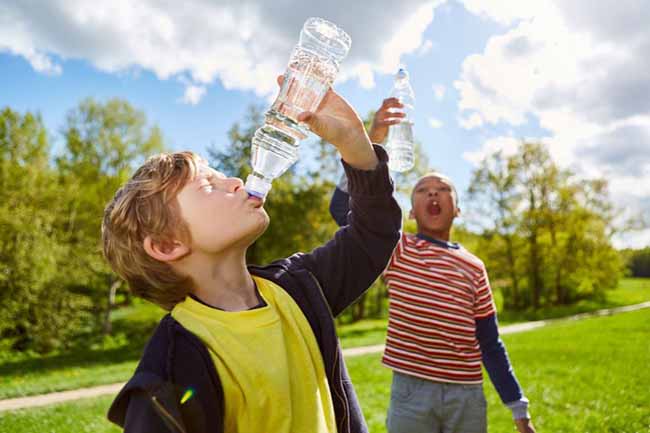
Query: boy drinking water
{"points": [[245, 348]]}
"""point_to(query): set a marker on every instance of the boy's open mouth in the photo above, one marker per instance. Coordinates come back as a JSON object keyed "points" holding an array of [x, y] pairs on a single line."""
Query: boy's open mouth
{"points": [[433, 208]]}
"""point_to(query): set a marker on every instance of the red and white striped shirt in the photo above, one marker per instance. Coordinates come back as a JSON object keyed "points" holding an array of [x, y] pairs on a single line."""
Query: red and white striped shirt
{"points": [[435, 295]]}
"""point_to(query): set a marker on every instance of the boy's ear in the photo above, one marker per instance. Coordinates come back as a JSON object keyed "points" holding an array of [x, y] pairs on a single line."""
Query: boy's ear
{"points": [[457, 212], [165, 251], [411, 215]]}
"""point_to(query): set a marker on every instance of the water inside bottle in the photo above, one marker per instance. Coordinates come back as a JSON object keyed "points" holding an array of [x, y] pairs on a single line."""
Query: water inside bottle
{"points": [[400, 146], [306, 81]]}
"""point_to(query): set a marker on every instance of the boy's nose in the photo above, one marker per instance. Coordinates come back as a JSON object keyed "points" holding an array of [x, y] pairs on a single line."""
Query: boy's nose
{"points": [[234, 183]]}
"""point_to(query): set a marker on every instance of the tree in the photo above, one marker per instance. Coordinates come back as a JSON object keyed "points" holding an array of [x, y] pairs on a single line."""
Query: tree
{"points": [[36, 313], [546, 235], [104, 142], [638, 262], [496, 180]]}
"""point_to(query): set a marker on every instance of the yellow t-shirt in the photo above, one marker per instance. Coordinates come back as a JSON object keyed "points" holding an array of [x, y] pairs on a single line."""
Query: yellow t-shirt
{"points": [[268, 360]]}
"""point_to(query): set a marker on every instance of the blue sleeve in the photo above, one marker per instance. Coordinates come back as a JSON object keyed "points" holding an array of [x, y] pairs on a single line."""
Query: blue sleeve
{"points": [[497, 364], [340, 206]]}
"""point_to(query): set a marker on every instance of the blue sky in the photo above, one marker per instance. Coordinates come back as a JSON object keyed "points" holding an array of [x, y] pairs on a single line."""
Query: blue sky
{"points": [[571, 76]]}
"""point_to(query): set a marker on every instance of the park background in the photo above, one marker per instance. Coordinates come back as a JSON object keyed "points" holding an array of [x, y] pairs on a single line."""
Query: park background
{"points": [[540, 113]]}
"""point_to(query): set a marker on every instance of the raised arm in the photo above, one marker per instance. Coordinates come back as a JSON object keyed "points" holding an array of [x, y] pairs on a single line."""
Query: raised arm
{"points": [[340, 202], [349, 263]]}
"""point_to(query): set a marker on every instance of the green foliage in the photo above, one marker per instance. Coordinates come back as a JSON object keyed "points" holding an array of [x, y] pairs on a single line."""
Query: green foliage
{"points": [[53, 281], [104, 144], [638, 262], [545, 235], [35, 311]]}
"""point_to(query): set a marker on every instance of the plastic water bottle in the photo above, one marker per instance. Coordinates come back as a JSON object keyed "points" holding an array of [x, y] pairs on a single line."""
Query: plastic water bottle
{"points": [[313, 65], [399, 144]]}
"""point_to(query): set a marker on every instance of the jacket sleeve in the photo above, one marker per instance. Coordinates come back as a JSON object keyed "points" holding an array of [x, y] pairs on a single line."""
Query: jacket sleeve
{"points": [[349, 263], [141, 417], [497, 364], [340, 206]]}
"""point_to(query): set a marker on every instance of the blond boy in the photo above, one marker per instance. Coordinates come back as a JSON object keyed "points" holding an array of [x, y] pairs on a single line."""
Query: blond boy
{"points": [[245, 348]]}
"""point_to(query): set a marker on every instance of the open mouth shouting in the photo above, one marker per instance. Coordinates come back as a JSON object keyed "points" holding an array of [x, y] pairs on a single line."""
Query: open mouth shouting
{"points": [[433, 208]]}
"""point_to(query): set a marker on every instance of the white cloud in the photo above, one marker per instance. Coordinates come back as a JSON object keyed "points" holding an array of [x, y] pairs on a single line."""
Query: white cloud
{"points": [[471, 122], [243, 44], [193, 94], [505, 11], [435, 123], [426, 46], [439, 91], [507, 145], [580, 69]]}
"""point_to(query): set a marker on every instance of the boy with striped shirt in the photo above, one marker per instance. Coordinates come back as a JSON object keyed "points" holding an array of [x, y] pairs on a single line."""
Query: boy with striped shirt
{"points": [[442, 321]]}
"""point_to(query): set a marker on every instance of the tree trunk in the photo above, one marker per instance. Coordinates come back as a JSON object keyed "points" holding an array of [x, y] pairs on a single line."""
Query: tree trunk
{"points": [[559, 291], [379, 300], [512, 271], [107, 327], [534, 278], [359, 310]]}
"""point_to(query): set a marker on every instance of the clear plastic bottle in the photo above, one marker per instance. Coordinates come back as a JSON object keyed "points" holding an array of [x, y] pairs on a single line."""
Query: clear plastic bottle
{"points": [[313, 65], [400, 142]]}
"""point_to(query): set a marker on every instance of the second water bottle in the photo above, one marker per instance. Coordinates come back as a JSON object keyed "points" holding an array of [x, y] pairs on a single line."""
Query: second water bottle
{"points": [[400, 142]]}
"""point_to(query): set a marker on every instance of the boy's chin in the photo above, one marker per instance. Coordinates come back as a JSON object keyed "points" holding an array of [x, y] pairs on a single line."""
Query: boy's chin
{"points": [[259, 230]]}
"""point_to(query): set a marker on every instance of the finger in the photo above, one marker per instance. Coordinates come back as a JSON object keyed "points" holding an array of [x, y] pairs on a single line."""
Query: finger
{"points": [[305, 116], [311, 120], [390, 100], [280, 80], [391, 103], [389, 122], [380, 117]]}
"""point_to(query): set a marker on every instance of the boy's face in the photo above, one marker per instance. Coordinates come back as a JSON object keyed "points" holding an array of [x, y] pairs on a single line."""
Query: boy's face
{"points": [[219, 212], [433, 207]]}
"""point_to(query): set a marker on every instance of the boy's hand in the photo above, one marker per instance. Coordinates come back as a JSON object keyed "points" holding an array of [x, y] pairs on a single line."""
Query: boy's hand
{"points": [[384, 117], [524, 425], [336, 122]]}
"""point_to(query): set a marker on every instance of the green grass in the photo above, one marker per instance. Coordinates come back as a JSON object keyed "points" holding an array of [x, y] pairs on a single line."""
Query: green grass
{"points": [[364, 333], [98, 363], [114, 359], [589, 376], [629, 291], [81, 416]]}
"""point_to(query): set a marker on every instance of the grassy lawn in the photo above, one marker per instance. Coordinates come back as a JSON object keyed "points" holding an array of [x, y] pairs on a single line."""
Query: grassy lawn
{"points": [[97, 364], [82, 416], [589, 376], [115, 360]]}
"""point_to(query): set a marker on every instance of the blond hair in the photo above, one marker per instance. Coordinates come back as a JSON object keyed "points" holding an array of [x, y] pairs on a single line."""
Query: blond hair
{"points": [[146, 206]]}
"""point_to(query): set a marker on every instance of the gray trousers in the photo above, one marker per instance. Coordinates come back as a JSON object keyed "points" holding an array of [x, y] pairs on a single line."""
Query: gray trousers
{"points": [[422, 406]]}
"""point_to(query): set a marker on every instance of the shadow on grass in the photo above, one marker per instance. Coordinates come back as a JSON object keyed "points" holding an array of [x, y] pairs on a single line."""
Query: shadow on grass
{"points": [[125, 345]]}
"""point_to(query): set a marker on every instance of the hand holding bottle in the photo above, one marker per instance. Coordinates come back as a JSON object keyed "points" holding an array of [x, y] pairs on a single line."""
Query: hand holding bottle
{"points": [[336, 122], [384, 118], [400, 141]]}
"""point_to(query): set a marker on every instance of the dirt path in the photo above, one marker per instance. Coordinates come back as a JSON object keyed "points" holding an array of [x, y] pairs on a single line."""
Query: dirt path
{"points": [[75, 394]]}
